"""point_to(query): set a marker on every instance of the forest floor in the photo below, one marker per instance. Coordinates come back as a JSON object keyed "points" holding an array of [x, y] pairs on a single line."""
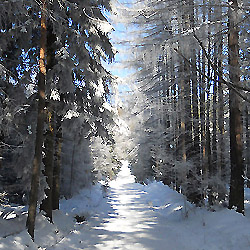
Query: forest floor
{"points": [[133, 216]]}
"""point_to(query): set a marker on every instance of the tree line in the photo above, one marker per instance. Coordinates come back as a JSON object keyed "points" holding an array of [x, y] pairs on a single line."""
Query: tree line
{"points": [[191, 95]]}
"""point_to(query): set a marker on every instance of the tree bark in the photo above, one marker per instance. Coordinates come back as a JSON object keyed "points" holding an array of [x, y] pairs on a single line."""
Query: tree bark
{"points": [[72, 170], [33, 197], [247, 145], [46, 204], [57, 166], [236, 195], [221, 161], [203, 124], [214, 131], [49, 144], [1, 153], [194, 176], [203, 113]]}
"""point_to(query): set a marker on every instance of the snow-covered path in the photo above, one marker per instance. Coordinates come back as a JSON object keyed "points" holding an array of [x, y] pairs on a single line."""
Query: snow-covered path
{"points": [[152, 218], [130, 223]]}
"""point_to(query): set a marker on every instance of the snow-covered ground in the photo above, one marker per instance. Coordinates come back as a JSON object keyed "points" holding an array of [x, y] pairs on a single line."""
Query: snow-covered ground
{"points": [[131, 216]]}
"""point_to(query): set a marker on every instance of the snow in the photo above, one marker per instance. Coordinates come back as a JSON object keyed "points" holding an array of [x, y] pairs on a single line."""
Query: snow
{"points": [[131, 216]]}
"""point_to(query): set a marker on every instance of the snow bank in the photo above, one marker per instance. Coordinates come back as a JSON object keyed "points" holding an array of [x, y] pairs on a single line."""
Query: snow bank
{"points": [[85, 203], [15, 237], [221, 230]]}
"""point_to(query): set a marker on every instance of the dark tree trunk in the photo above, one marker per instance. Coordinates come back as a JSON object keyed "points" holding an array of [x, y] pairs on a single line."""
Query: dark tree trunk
{"points": [[72, 171], [203, 124], [214, 133], [33, 197], [49, 144], [57, 166], [194, 193], [214, 169], [221, 162], [194, 175], [247, 150], [1, 142], [203, 106], [46, 204], [236, 195], [211, 171]]}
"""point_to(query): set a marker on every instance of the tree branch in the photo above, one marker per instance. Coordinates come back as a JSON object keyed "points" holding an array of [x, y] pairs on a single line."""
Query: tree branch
{"points": [[211, 79]]}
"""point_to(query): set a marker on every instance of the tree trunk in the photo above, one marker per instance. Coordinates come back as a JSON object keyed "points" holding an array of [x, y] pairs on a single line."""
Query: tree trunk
{"points": [[57, 166], [247, 146], [236, 195], [1, 153], [49, 144], [221, 161], [195, 192], [46, 204], [182, 130], [203, 124], [214, 164], [203, 106], [33, 197], [214, 131], [211, 171], [72, 166]]}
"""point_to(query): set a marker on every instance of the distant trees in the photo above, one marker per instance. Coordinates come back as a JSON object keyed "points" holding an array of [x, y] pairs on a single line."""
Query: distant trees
{"points": [[193, 78]]}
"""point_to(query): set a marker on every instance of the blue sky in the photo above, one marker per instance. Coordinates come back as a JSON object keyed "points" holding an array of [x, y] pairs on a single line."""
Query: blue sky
{"points": [[118, 67]]}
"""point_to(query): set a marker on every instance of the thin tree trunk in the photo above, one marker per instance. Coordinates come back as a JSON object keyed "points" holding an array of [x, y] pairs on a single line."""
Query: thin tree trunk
{"points": [[33, 197], [214, 138], [208, 133], [188, 129], [57, 166], [164, 116], [1, 153], [183, 128], [247, 145], [203, 114], [221, 162], [203, 125], [236, 195], [178, 138], [194, 176], [214, 134], [72, 166]]}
